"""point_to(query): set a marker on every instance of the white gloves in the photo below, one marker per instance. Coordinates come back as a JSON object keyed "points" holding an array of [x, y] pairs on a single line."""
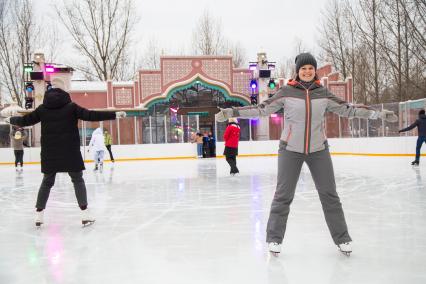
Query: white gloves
{"points": [[120, 114], [224, 114], [7, 120], [9, 112]]}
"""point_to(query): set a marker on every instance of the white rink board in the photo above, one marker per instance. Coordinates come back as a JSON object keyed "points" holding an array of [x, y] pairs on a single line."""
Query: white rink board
{"points": [[384, 145]]}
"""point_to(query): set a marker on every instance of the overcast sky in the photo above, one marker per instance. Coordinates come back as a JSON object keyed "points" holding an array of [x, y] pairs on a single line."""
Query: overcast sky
{"points": [[273, 25]]}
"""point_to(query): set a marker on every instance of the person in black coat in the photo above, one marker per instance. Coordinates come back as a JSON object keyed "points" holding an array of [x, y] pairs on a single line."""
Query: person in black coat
{"points": [[60, 144], [420, 123], [212, 144]]}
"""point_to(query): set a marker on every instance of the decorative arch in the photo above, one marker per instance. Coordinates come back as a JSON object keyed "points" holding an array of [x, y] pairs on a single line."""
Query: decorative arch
{"points": [[203, 81]]}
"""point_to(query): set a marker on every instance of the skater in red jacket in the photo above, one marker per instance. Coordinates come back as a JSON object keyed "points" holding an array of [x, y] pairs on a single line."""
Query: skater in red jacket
{"points": [[231, 138]]}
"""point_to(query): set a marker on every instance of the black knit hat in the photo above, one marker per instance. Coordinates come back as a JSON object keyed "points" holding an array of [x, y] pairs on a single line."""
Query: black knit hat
{"points": [[305, 59]]}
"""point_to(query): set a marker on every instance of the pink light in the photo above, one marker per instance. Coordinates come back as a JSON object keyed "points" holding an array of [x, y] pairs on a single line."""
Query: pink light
{"points": [[252, 67], [49, 69], [274, 115]]}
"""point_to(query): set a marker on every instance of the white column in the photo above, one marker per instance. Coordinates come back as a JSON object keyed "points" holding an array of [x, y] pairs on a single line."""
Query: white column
{"points": [[183, 129], [368, 124], [383, 125], [215, 129], [150, 130], [136, 129], [165, 128], [198, 122], [359, 127], [249, 121], [263, 125], [118, 131], [38, 93]]}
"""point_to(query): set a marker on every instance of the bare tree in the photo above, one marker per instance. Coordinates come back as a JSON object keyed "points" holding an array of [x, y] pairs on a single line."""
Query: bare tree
{"points": [[16, 40], [207, 38], [299, 46], [335, 38], [101, 30], [383, 45], [238, 53], [151, 55], [286, 68]]}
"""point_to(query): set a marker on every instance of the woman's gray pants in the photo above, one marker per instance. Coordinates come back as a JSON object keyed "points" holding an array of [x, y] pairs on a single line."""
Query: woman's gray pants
{"points": [[321, 167], [49, 181]]}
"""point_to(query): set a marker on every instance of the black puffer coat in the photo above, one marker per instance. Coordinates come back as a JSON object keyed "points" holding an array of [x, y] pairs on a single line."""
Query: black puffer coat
{"points": [[60, 140]]}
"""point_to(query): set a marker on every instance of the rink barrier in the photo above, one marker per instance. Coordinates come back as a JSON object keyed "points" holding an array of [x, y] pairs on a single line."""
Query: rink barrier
{"points": [[369, 147], [222, 157]]}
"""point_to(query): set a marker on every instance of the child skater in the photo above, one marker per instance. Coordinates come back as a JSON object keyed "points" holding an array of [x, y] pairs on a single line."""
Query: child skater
{"points": [[305, 102], [98, 148], [60, 145]]}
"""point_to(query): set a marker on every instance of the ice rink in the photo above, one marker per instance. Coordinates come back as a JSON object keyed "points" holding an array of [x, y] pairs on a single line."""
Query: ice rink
{"points": [[189, 222]]}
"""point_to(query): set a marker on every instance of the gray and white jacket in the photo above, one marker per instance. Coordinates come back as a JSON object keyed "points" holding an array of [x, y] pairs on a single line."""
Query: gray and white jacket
{"points": [[304, 114]]}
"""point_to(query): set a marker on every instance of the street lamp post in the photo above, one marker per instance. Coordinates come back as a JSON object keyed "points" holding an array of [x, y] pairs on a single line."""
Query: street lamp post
{"points": [[262, 73]]}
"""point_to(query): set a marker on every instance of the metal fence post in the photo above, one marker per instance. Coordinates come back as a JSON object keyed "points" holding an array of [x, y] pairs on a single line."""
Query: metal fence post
{"points": [[165, 129], [383, 125]]}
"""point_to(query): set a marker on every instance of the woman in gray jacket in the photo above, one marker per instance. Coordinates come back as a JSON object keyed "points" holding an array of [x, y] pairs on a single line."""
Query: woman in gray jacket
{"points": [[305, 102]]}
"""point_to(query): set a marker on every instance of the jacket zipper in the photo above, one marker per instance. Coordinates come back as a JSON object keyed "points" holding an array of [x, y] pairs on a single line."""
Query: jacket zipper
{"points": [[308, 122]]}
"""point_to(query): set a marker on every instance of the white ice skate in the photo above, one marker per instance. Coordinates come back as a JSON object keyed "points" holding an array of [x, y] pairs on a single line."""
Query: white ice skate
{"points": [[345, 248], [274, 248], [101, 167], [39, 220], [86, 218]]}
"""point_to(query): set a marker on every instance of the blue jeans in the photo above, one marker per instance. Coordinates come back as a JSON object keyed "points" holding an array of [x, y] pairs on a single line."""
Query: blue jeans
{"points": [[420, 141], [200, 149]]}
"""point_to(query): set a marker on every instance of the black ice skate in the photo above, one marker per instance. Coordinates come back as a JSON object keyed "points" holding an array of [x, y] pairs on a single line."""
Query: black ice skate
{"points": [[415, 163]]}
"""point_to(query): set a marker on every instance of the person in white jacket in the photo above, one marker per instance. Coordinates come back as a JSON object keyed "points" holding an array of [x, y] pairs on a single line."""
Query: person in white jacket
{"points": [[97, 146]]}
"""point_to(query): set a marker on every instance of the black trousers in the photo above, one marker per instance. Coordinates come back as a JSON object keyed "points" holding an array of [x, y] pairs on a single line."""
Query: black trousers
{"points": [[232, 161], [19, 157], [49, 181], [111, 157]]}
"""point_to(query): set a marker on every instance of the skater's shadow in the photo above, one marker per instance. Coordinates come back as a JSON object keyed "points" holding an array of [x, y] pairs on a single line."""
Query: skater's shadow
{"points": [[419, 180], [206, 169], [110, 174], [19, 179], [343, 269], [276, 271], [105, 176]]}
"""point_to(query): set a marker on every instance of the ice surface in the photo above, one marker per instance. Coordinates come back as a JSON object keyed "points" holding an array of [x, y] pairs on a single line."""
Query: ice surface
{"points": [[189, 221]]}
